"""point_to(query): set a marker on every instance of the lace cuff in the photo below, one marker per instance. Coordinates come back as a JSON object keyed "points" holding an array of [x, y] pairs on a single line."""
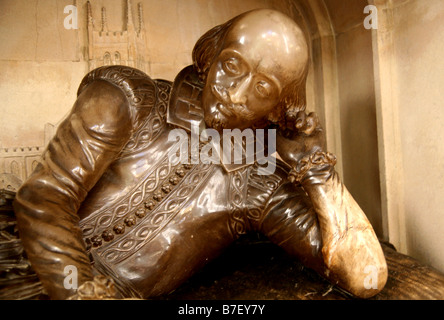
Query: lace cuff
{"points": [[101, 288], [312, 165]]}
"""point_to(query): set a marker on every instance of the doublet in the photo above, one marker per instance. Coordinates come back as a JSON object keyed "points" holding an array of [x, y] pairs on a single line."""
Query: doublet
{"points": [[146, 222]]}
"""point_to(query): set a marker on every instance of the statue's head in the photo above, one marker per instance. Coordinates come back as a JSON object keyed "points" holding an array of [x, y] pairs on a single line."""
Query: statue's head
{"points": [[254, 68]]}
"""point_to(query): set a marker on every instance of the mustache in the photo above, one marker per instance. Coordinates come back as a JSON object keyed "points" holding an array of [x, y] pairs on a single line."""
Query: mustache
{"points": [[237, 109]]}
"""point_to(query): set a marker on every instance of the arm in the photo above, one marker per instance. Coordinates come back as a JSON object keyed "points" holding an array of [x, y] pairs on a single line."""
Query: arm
{"points": [[46, 205], [350, 248]]}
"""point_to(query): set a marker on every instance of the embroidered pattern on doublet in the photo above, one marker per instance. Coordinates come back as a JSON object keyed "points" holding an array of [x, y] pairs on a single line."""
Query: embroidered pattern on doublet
{"points": [[113, 214], [149, 128], [236, 198], [248, 195], [259, 190], [157, 217]]}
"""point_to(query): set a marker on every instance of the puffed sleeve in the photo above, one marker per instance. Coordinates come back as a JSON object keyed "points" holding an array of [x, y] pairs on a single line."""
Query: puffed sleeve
{"points": [[46, 205], [321, 223], [291, 222]]}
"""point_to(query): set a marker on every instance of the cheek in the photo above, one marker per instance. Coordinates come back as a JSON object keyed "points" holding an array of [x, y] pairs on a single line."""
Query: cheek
{"points": [[213, 73], [217, 75], [261, 107]]}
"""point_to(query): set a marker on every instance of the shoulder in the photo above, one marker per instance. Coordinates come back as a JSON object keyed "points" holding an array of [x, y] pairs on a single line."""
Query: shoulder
{"points": [[114, 83], [125, 78], [101, 106], [107, 96]]}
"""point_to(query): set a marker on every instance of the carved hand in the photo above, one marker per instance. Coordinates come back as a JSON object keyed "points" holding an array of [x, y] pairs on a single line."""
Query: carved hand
{"points": [[349, 242], [307, 137]]}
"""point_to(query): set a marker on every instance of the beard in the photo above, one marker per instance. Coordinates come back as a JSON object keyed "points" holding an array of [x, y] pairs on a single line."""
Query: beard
{"points": [[215, 122], [221, 113], [233, 116]]}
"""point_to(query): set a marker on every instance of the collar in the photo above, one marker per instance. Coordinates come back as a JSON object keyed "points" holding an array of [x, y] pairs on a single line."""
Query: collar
{"points": [[185, 109]]}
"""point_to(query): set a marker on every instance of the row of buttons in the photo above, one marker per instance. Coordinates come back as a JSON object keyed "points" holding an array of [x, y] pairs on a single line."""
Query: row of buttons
{"points": [[149, 205]]}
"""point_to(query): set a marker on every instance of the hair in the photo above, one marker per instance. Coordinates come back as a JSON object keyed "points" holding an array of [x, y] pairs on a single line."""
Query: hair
{"points": [[293, 96]]}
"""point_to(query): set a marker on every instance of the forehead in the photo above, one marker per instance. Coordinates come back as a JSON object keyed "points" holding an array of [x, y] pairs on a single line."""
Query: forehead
{"points": [[269, 42]]}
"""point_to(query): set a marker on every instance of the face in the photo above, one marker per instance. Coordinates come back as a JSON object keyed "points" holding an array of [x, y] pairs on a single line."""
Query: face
{"points": [[238, 92], [246, 79]]}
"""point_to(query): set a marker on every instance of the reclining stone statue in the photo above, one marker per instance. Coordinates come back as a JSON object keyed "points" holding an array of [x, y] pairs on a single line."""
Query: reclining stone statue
{"points": [[107, 200]]}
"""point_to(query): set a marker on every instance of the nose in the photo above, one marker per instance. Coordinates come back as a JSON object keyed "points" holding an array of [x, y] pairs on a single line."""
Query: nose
{"points": [[239, 90]]}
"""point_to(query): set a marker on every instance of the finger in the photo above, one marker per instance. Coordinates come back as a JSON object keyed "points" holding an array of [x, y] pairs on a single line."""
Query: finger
{"points": [[300, 120], [310, 125], [315, 117]]}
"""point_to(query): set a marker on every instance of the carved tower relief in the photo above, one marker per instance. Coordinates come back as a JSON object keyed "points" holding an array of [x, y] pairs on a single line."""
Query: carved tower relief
{"points": [[124, 47]]}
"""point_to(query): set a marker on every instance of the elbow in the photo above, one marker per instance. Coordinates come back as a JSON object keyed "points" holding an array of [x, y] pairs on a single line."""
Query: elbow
{"points": [[369, 281], [362, 272], [363, 280]]}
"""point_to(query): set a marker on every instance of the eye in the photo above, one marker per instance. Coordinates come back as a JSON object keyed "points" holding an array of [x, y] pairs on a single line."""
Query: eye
{"points": [[231, 66], [263, 89]]}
